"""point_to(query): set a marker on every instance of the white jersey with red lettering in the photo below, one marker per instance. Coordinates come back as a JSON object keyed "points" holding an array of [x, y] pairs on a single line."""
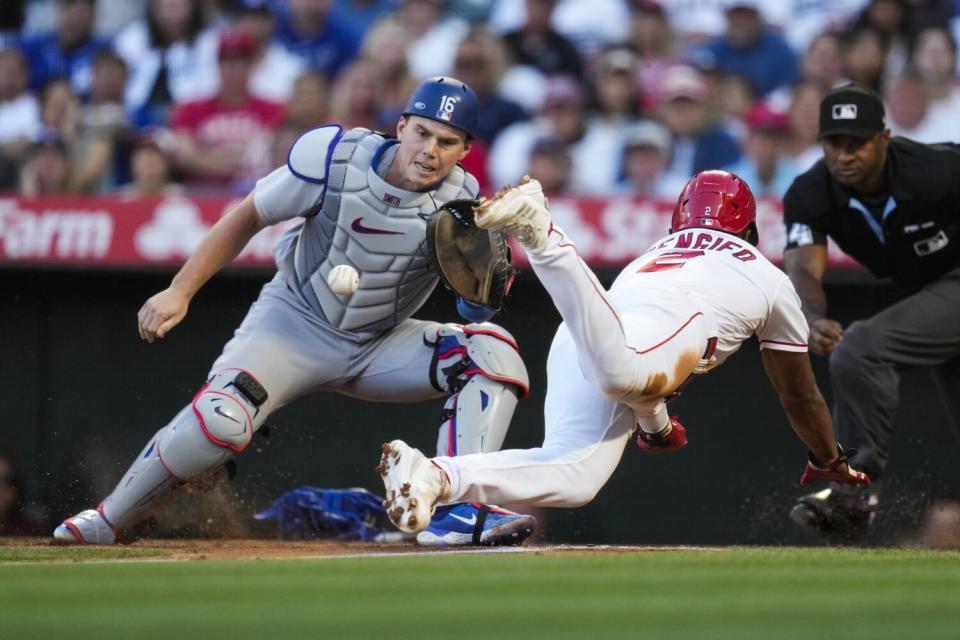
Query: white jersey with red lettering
{"points": [[741, 293]]}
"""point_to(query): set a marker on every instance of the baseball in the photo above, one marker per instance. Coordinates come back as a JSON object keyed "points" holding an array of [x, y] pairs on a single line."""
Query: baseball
{"points": [[343, 279]]}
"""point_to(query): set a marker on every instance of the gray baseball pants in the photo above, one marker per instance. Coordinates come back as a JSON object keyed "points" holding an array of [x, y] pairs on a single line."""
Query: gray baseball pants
{"points": [[922, 330]]}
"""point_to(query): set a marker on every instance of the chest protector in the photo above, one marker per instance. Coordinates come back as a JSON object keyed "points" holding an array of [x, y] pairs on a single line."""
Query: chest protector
{"points": [[375, 228]]}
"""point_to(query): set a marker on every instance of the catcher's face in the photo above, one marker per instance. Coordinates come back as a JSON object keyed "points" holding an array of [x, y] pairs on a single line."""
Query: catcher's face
{"points": [[429, 150]]}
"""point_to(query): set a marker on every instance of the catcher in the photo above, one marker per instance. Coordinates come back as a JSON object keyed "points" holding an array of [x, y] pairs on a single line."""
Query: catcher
{"points": [[680, 309], [376, 205]]}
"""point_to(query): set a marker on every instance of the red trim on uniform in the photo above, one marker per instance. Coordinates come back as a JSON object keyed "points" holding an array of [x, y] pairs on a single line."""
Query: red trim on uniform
{"points": [[478, 371], [116, 532], [165, 467], [668, 338], [451, 432], [503, 512], [452, 352], [490, 332], [203, 425], [73, 530], [786, 344]]}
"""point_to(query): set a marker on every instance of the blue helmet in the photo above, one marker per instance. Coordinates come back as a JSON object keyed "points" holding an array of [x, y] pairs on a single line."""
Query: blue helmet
{"points": [[445, 100]]}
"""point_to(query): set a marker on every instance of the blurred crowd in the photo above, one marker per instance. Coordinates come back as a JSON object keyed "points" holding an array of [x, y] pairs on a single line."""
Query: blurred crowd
{"points": [[592, 97]]}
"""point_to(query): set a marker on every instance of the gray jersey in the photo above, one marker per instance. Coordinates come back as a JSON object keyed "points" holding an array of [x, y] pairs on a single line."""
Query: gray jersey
{"points": [[353, 217]]}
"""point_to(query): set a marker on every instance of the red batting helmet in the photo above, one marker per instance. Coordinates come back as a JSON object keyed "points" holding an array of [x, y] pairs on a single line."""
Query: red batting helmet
{"points": [[716, 199]]}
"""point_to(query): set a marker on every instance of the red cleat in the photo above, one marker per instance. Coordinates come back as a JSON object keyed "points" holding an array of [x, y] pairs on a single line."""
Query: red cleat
{"points": [[671, 438]]}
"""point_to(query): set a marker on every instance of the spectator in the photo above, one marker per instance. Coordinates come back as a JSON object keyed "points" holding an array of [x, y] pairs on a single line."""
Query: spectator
{"points": [[617, 102], [480, 62], [15, 520], [735, 98], [766, 164], [386, 46], [435, 38], [646, 158], [537, 44], [275, 68], [804, 115], [908, 110], [563, 115], [68, 52], [46, 170], [151, 170], [750, 49], [822, 62], [165, 53], [99, 153], [698, 145], [652, 37], [309, 103], [19, 111], [891, 20], [552, 165], [60, 112], [803, 21], [355, 98], [863, 58], [934, 56], [361, 16], [225, 139], [318, 36]]}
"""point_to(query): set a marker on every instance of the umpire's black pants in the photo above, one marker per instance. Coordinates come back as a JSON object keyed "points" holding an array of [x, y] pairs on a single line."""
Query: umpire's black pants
{"points": [[923, 329]]}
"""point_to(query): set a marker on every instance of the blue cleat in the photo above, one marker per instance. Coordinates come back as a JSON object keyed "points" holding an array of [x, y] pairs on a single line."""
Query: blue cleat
{"points": [[471, 523]]}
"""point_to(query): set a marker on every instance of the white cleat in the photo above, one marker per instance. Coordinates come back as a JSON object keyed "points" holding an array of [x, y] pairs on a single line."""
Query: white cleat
{"points": [[520, 212], [413, 486], [87, 527]]}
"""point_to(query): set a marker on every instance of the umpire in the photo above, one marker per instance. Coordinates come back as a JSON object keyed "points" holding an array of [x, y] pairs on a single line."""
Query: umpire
{"points": [[893, 205]]}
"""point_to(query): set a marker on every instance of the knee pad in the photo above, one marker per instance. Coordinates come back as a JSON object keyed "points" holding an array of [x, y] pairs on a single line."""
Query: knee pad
{"points": [[464, 351], [227, 407], [479, 365], [219, 422]]}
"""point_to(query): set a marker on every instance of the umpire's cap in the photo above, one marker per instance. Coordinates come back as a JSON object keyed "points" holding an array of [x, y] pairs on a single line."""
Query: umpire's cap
{"points": [[851, 110], [445, 100]]}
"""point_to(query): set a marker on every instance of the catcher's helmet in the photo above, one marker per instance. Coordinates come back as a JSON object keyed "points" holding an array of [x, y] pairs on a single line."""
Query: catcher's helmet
{"points": [[445, 100], [716, 199]]}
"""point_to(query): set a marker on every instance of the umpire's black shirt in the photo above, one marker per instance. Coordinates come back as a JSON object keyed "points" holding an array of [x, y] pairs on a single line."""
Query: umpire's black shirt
{"points": [[911, 234]]}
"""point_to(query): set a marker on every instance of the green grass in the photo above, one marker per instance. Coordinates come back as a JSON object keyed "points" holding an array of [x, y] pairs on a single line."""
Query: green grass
{"points": [[74, 554], [735, 594]]}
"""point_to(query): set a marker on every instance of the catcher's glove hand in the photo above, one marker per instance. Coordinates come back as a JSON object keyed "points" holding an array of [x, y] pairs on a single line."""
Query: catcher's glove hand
{"points": [[472, 262], [837, 470]]}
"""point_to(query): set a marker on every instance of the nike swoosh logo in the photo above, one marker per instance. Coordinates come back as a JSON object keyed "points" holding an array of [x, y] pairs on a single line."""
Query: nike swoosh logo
{"points": [[471, 520], [359, 227], [220, 412]]}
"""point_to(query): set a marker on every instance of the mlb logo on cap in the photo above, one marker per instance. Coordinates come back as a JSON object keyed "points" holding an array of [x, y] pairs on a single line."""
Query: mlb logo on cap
{"points": [[447, 105], [851, 110], [844, 112]]}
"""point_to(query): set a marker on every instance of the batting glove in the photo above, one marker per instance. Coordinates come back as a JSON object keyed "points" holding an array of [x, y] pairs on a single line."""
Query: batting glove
{"points": [[837, 470]]}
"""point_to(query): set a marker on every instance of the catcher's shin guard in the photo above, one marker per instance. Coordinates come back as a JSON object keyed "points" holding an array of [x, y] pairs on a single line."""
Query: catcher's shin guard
{"points": [[200, 439], [480, 366]]}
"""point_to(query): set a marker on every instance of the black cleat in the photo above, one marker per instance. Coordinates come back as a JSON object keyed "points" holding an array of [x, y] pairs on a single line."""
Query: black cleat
{"points": [[837, 516]]}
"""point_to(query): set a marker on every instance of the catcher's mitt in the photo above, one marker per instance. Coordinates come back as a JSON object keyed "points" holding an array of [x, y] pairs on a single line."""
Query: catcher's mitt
{"points": [[472, 262]]}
